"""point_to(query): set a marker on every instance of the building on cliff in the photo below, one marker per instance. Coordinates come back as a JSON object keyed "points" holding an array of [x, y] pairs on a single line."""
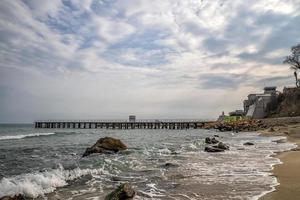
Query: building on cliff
{"points": [[270, 103], [256, 106]]}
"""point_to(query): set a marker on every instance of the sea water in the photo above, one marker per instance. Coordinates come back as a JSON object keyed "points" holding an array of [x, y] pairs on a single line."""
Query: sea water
{"points": [[48, 164]]}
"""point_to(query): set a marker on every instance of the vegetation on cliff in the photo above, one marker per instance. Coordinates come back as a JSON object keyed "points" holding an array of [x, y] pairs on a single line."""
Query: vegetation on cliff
{"points": [[294, 61], [287, 104]]}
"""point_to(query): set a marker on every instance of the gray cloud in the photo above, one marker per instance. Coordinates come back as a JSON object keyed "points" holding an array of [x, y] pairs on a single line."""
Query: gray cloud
{"points": [[108, 59], [222, 81]]}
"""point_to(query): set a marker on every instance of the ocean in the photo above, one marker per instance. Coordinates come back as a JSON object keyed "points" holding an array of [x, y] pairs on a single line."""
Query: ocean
{"points": [[48, 164]]}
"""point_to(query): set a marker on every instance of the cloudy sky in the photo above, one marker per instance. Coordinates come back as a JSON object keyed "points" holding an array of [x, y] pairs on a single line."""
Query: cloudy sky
{"points": [[103, 59]]}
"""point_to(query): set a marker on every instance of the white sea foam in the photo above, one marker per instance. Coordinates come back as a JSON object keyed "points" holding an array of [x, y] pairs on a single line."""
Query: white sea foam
{"points": [[37, 184], [16, 137]]}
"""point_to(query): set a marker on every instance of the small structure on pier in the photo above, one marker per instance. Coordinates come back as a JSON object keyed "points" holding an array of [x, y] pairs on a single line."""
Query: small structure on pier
{"points": [[132, 118]]}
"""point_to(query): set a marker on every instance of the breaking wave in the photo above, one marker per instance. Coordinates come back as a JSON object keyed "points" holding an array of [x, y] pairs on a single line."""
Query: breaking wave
{"points": [[37, 184], [16, 137]]}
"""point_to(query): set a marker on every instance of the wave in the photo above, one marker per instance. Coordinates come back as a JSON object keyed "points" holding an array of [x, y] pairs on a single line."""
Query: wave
{"points": [[16, 137], [33, 185]]}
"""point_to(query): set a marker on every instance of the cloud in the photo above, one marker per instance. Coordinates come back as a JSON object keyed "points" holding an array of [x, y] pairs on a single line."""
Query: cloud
{"points": [[112, 31], [222, 81], [133, 55]]}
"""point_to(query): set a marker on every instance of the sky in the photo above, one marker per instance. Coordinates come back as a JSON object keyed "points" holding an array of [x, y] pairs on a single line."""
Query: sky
{"points": [[168, 59]]}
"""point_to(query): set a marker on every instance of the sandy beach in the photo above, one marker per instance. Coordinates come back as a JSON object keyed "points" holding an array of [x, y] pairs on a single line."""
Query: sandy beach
{"points": [[287, 173]]}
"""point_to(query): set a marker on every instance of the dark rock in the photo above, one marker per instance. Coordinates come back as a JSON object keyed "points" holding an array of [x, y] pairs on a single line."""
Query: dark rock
{"points": [[174, 153], [105, 145], [248, 143], [123, 192], [296, 149], [168, 165], [280, 141], [216, 135], [121, 179], [16, 197], [213, 149], [221, 145], [209, 140]]}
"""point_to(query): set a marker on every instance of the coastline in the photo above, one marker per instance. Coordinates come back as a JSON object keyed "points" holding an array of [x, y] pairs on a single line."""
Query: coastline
{"points": [[287, 173]]}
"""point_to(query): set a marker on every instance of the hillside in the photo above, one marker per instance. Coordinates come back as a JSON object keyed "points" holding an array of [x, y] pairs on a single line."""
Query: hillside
{"points": [[287, 105]]}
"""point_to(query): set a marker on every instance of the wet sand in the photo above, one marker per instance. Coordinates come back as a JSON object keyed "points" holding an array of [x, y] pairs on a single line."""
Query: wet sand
{"points": [[287, 173]]}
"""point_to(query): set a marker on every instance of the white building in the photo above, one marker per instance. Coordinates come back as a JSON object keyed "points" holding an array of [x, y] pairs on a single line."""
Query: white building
{"points": [[256, 106]]}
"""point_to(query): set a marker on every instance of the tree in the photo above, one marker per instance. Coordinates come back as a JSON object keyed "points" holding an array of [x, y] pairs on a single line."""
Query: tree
{"points": [[294, 61]]}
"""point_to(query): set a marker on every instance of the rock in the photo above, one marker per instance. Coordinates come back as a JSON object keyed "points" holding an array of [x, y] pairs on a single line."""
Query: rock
{"points": [[209, 140], [296, 149], [280, 141], [121, 179], [216, 135], [105, 145], [237, 126], [123, 192], [221, 145], [248, 143], [271, 129], [168, 165], [213, 149], [16, 197]]}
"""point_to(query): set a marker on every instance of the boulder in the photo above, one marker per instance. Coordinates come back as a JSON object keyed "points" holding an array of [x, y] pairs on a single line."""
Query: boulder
{"points": [[213, 149], [221, 145], [209, 140], [168, 165], [248, 143], [105, 145], [16, 197], [123, 192]]}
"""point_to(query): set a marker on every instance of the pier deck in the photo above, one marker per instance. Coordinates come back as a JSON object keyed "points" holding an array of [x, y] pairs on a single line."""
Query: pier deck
{"points": [[120, 124]]}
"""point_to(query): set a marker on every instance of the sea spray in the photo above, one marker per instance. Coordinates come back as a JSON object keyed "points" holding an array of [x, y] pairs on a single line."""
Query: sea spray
{"points": [[37, 184]]}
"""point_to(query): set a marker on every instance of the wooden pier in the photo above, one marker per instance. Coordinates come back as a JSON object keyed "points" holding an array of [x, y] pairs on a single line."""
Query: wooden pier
{"points": [[119, 124]]}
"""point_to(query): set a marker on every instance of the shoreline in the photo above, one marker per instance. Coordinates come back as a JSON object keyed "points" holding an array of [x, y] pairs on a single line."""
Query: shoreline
{"points": [[287, 173]]}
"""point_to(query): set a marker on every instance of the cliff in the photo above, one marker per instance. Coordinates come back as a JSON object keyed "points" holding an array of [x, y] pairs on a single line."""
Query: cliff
{"points": [[287, 104]]}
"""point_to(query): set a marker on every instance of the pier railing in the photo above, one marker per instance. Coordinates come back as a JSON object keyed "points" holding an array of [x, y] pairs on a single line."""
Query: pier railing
{"points": [[123, 124]]}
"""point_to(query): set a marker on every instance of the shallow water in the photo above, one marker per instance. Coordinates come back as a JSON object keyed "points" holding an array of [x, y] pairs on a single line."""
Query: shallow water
{"points": [[47, 164]]}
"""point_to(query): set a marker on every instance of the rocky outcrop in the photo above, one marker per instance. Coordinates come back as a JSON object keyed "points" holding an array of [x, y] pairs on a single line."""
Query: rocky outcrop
{"points": [[221, 145], [16, 197], [209, 140], [123, 192], [217, 147], [105, 145], [248, 143], [287, 104], [213, 149], [236, 126]]}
